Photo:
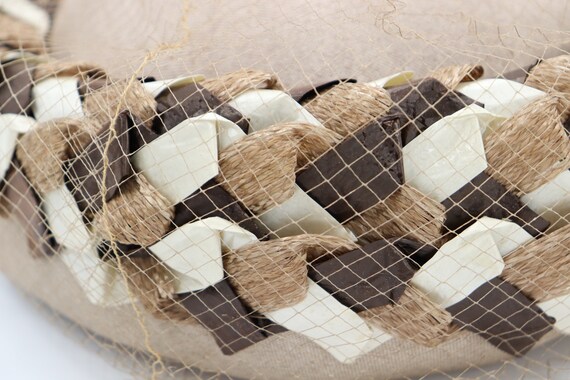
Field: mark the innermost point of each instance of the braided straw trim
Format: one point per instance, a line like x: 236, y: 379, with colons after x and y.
x: 138, y: 215
x: 148, y: 280
x: 20, y: 35
x: 540, y: 268
x: 347, y: 107
x: 230, y: 85
x: 272, y: 275
x: 529, y: 149
x: 553, y: 75
x: 451, y: 76
x: 82, y: 70
x: 102, y: 104
x: 415, y: 317
x: 43, y: 150
x: 406, y: 213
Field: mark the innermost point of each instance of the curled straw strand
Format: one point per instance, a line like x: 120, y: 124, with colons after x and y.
x: 347, y: 107
x: 553, y: 76
x: 540, y: 268
x: 529, y: 149
x: 138, y: 215
x: 414, y: 317
x: 43, y: 150
x: 406, y: 213
x: 451, y: 76
x: 230, y: 85
x: 101, y: 104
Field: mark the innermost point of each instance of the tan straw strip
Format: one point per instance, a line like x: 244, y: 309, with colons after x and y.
x: 310, y: 141
x: 553, y: 75
x: 138, y: 215
x: 230, y: 85
x: 268, y: 276
x: 43, y: 150
x: 272, y: 275
x: 102, y: 103
x: 149, y: 280
x: 406, y: 213
x: 172, y: 310
x: 347, y: 107
x: 82, y: 70
x: 541, y: 268
x: 415, y: 317
x: 451, y: 76
x: 259, y: 170
x: 20, y: 35
x: 529, y: 149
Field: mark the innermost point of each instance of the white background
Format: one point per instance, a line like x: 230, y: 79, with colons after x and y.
x: 33, y: 347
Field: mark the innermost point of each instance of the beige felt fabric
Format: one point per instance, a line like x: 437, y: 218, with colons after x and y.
x: 283, y: 356
x: 305, y: 40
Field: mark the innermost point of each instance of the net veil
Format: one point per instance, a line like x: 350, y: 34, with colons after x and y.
x: 310, y: 189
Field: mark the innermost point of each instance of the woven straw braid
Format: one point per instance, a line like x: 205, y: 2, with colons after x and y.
x: 347, y: 107
x: 259, y: 170
x: 233, y: 84
x: 529, y: 149
x: 540, y: 268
